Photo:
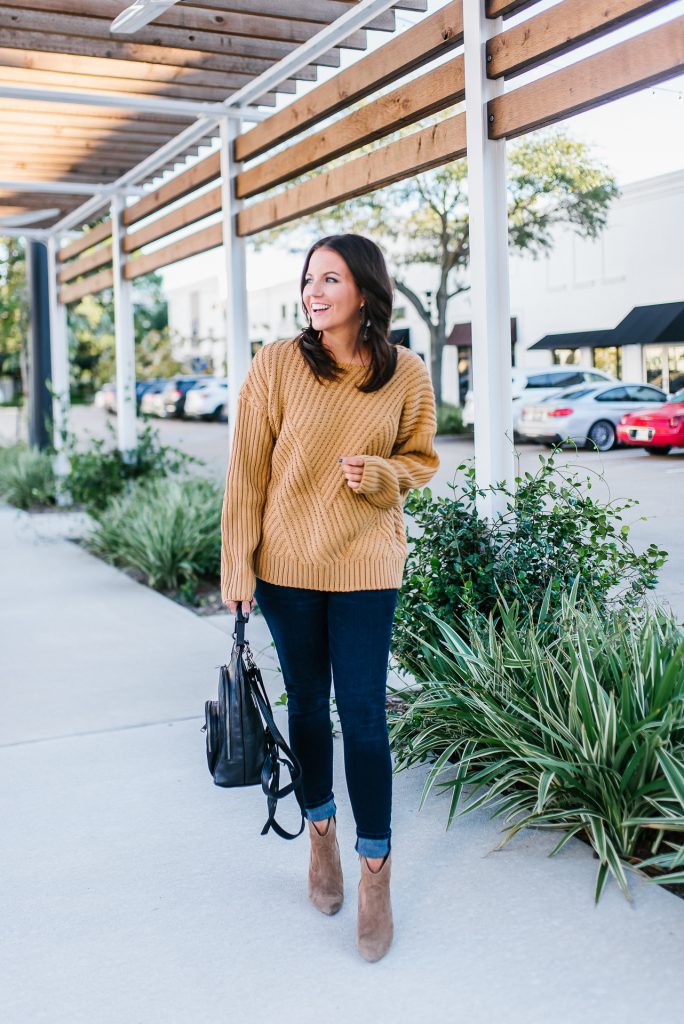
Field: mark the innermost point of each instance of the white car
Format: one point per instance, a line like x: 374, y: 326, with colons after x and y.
x: 587, y: 415
x: 208, y: 400
x: 538, y: 385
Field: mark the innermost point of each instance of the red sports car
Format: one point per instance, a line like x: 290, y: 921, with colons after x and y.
x: 656, y: 430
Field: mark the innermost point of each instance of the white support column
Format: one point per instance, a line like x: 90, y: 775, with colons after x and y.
x: 238, y: 353
x: 494, y: 458
x: 126, y: 427
x: 59, y: 361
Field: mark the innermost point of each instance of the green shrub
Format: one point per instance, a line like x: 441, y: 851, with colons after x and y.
x: 27, y: 478
x: 553, y: 532
x: 169, y: 530
x: 573, y: 721
x: 449, y: 419
x: 100, y: 473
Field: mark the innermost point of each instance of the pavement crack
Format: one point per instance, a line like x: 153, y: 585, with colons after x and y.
x: 98, y: 732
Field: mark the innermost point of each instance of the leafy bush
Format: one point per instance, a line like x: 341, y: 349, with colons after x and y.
x: 449, y: 419
x: 553, y: 532
x: 100, y: 472
x: 168, y: 530
x: 572, y: 720
x: 26, y: 476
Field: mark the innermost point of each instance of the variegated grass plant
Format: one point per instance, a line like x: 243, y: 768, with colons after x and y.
x: 573, y: 721
x: 166, y: 529
x: 27, y: 477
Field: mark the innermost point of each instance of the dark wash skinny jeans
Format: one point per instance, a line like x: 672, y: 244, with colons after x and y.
x: 321, y: 634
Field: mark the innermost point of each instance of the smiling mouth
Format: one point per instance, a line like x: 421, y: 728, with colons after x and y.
x: 320, y: 309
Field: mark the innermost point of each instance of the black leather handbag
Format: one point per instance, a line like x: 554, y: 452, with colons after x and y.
x: 243, y: 742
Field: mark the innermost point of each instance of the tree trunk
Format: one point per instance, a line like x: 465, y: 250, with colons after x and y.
x: 437, y: 342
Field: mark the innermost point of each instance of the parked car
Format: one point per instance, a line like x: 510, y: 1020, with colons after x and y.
x: 141, y: 389
x: 150, y: 402
x: 208, y: 400
x: 106, y: 397
x: 586, y: 415
x: 537, y: 385
x: 173, y: 395
x: 657, y: 430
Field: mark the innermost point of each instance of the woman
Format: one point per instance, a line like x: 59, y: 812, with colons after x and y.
x: 333, y: 429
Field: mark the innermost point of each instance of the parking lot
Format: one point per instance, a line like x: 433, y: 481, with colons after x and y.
x: 656, y: 482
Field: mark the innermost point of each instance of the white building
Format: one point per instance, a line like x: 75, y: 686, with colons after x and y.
x: 581, y: 286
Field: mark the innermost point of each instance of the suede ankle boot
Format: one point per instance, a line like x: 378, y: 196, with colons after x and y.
x: 374, y: 928
x: 326, y: 888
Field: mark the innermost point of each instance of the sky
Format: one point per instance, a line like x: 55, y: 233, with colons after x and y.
x: 639, y: 136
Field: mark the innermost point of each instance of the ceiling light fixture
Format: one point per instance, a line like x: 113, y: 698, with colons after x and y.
x: 139, y: 14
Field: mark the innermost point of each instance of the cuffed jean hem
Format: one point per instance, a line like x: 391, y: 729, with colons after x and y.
x: 323, y: 811
x: 372, y: 847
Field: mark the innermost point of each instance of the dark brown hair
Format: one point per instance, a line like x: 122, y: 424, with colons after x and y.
x: 368, y: 268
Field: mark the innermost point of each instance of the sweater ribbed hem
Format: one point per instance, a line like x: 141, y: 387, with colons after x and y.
x: 366, y: 574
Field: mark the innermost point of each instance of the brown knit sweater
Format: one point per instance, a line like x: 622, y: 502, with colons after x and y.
x: 289, y: 515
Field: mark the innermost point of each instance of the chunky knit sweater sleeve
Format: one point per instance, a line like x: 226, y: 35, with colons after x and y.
x: 246, y: 483
x: 414, y: 461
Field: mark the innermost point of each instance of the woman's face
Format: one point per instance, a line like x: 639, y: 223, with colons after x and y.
x: 331, y: 295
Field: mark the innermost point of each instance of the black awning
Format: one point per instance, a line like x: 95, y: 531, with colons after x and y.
x: 461, y: 335
x: 648, y: 325
x: 576, y: 339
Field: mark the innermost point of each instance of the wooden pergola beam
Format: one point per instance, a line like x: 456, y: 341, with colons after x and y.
x: 121, y: 86
x: 187, y: 181
x: 80, y: 151
x: 68, y: 113
x: 416, y: 46
x: 436, y: 90
x: 88, y: 30
x: 52, y: 132
x: 87, y: 286
x: 316, y: 11
x: 558, y: 30
x: 99, y: 67
x: 190, y: 213
x: 411, y: 155
x: 504, y: 8
x: 650, y: 57
x: 86, y: 241
x: 51, y: 42
x: 191, y: 245
x: 98, y: 258
x: 197, y: 20
x: 95, y: 163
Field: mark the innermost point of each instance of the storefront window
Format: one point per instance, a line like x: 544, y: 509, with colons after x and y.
x: 676, y: 367
x: 609, y: 360
x: 566, y: 356
x: 653, y: 365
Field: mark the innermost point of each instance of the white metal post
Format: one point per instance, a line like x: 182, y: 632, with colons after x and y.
x: 59, y: 361
x: 238, y: 354
x: 126, y: 426
x: 490, y: 302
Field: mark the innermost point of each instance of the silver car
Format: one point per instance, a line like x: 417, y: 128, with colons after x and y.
x: 586, y: 415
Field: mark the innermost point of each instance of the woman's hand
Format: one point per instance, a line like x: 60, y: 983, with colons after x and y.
x: 352, y: 467
x: 247, y: 606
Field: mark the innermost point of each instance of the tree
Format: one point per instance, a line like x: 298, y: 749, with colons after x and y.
x: 552, y: 180
x: 13, y: 310
x: 90, y: 325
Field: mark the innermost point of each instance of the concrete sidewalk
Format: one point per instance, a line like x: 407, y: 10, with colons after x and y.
x: 134, y: 891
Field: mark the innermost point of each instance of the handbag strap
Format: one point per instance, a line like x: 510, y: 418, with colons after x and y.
x: 270, y: 773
